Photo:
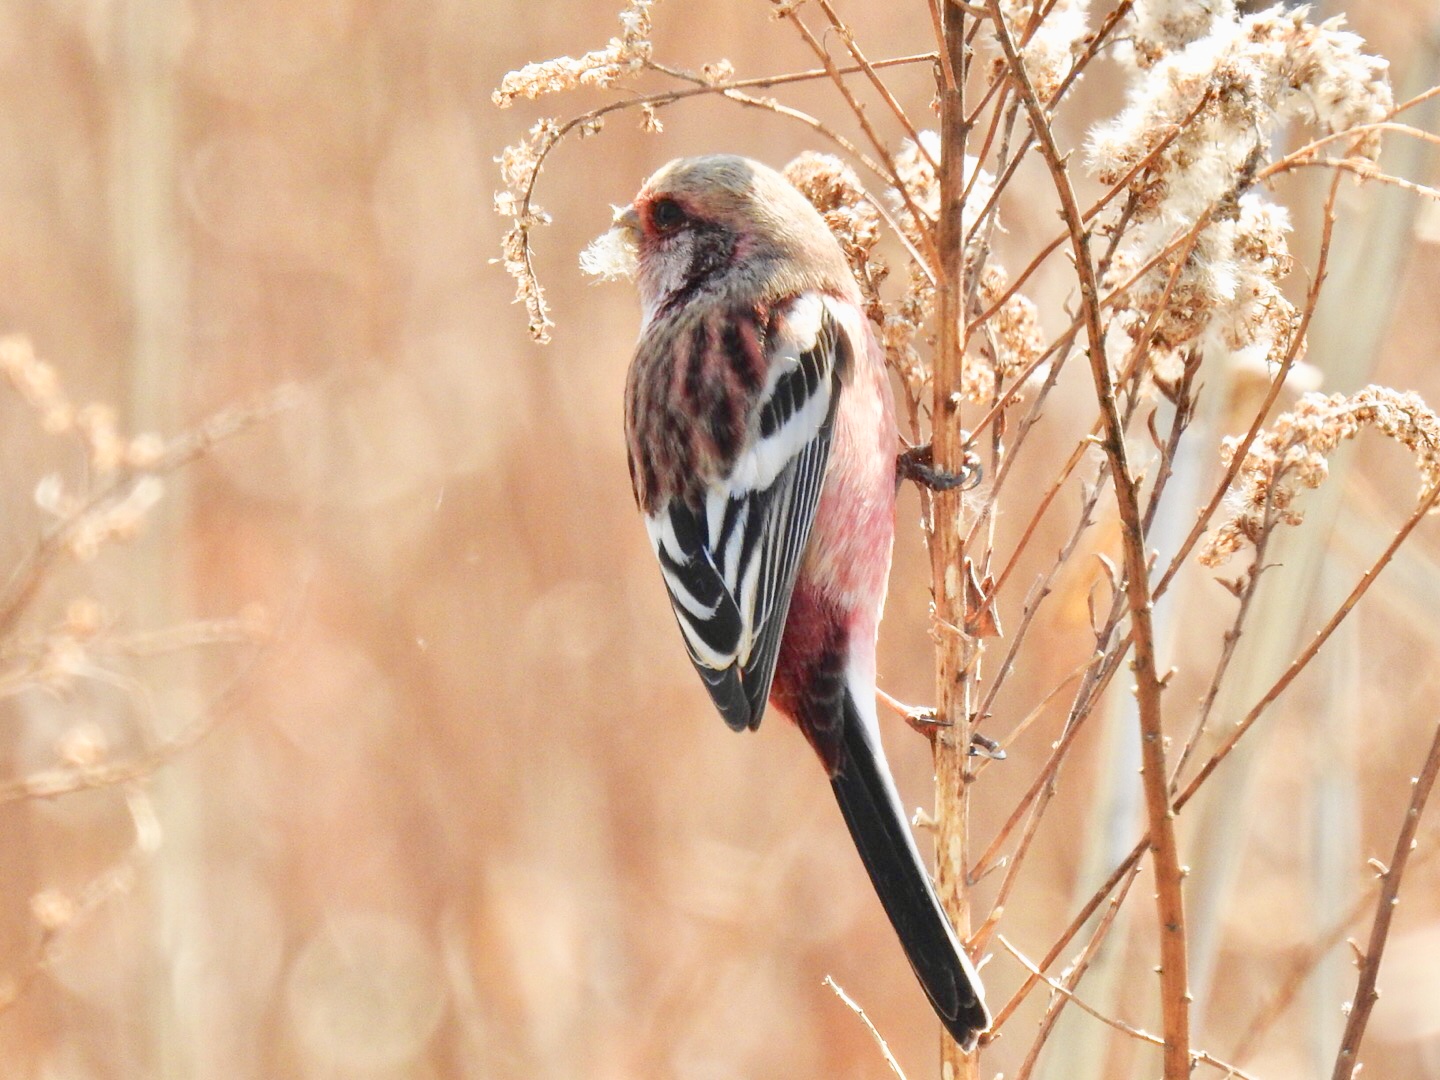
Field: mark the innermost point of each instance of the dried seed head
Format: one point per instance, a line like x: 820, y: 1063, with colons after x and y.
x: 1294, y: 453
x: 623, y: 56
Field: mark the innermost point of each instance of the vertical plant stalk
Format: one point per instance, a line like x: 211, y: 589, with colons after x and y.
x: 1347, y: 1060
x: 1169, y: 902
x: 956, y: 651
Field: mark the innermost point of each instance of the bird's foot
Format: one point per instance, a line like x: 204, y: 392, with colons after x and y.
x: 981, y: 746
x: 918, y: 464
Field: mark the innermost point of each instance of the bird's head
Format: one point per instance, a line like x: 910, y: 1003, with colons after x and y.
x: 723, y: 224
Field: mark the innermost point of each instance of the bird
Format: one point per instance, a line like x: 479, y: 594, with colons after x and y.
x: 761, y: 438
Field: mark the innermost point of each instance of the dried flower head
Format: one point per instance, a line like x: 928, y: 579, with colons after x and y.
x: 1161, y: 26
x: 99, y: 427
x: 623, y: 56
x: 721, y: 71
x: 144, y: 451
x: 52, y: 909
x: 83, y: 746
x: 915, y: 166
x: 84, y: 618
x: 120, y: 519
x: 1219, y: 99
x: 519, y: 166
x: 1013, y: 338
x: 1047, y: 42
x: 901, y: 326
x: 1201, y: 119
x: 1294, y: 454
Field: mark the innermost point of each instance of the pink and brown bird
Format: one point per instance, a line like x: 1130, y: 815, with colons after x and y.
x: 762, y: 446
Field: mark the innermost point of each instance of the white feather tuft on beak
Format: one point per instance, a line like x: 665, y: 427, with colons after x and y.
x: 615, y: 252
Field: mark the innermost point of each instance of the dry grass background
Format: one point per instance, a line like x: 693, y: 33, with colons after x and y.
x: 468, y: 812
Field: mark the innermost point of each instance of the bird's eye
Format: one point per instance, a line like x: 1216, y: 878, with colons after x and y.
x: 667, y: 215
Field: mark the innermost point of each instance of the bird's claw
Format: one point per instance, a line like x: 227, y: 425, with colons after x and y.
x: 918, y: 464
x: 981, y: 746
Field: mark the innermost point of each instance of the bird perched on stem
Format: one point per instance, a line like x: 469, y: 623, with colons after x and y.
x: 761, y: 437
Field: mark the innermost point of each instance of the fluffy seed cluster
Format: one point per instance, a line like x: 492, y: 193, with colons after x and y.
x: 610, y: 256
x: 624, y: 55
x: 1047, y: 44
x: 915, y: 166
x: 1210, y: 90
x: 1159, y: 27
x: 1010, y: 339
x: 1294, y: 454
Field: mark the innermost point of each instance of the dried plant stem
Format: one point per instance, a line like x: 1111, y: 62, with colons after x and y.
x: 848, y: 37
x: 1073, y: 975
x: 30, y: 572
x: 1300, y: 970
x: 1308, y: 654
x: 1121, y: 186
x: 956, y: 653
x: 1175, y: 997
x: 1229, y: 640
x: 669, y: 97
x: 1347, y: 1060
x: 1131, y: 861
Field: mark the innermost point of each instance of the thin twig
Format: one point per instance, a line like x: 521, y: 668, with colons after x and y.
x: 1073, y: 976
x: 1347, y: 1061
x: 1131, y: 860
x: 27, y: 577
x: 1299, y: 971
x: 1119, y: 1025
x: 1175, y: 997
x: 891, y: 173
x: 874, y: 1034
x: 848, y: 36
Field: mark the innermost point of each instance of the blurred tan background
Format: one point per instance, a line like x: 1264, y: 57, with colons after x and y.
x: 468, y: 813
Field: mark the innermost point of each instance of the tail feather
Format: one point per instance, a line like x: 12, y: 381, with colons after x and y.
x: 872, y: 810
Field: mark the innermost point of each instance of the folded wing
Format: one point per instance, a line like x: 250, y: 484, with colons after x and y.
x: 729, y: 560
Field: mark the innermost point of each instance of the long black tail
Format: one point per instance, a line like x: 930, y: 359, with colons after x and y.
x: 878, y: 824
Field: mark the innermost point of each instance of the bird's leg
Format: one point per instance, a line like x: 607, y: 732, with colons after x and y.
x: 920, y: 717
x: 918, y: 464
x: 923, y: 719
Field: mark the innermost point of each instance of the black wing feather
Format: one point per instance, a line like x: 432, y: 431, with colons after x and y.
x: 773, y: 525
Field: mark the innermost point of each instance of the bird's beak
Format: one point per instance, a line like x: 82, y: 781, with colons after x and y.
x: 627, y: 218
